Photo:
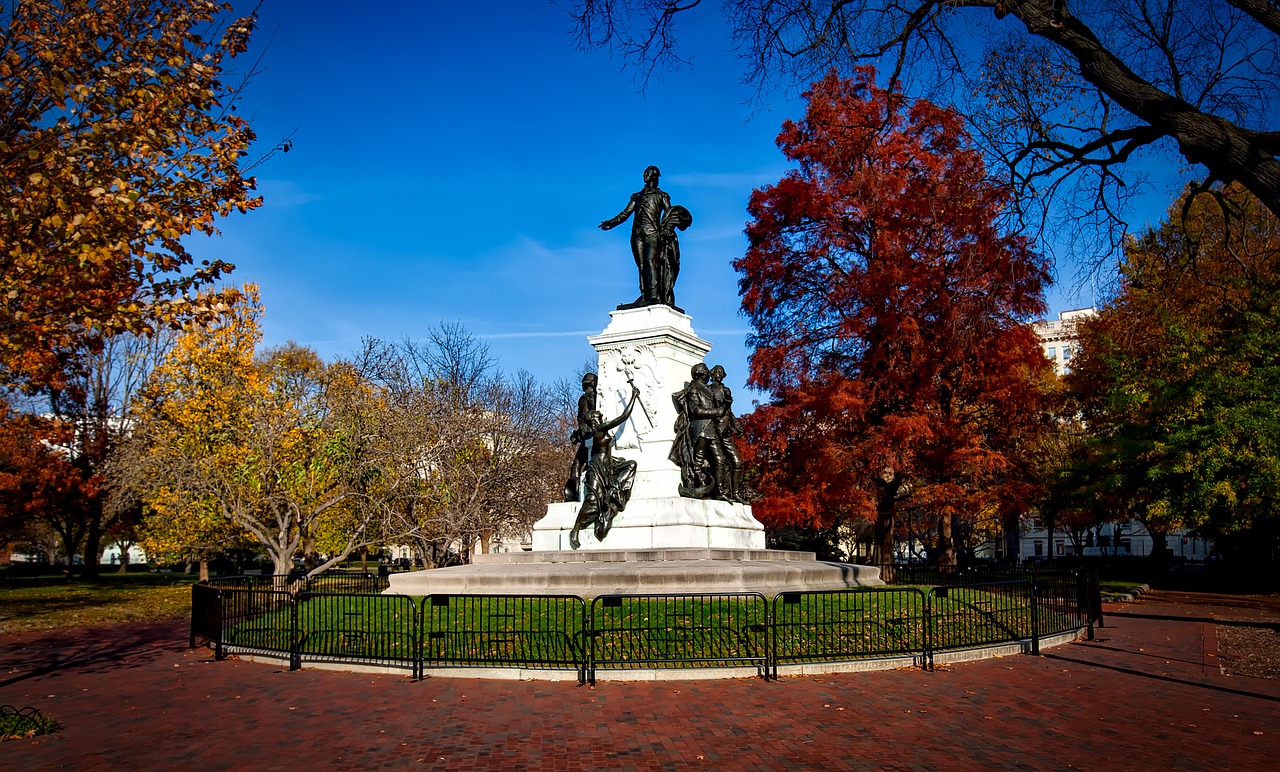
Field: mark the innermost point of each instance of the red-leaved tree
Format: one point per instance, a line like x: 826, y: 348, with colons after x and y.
x: 889, y: 314
x: 40, y: 486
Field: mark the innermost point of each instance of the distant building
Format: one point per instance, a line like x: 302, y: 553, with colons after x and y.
x: 1126, y: 539
x: 1060, y: 341
x: 1058, y: 337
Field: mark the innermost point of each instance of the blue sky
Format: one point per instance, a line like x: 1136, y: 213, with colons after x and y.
x: 451, y: 162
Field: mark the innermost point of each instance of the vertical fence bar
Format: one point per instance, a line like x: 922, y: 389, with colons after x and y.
x: 295, y: 638
x: 930, y: 643
x: 1035, y: 617
x: 1095, y: 597
x: 419, y: 652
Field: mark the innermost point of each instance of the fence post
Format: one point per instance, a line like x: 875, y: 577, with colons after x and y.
x: 928, y: 629
x: 218, y: 652
x: 589, y: 652
x: 295, y: 634
x: 1095, y: 596
x: 1084, y: 598
x: 1035, y: 615
x: 771, y: 638
x: 418, y: 615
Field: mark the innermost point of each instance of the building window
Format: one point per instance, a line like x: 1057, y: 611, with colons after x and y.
x: 1053, y: 353
x: 1066, y: 353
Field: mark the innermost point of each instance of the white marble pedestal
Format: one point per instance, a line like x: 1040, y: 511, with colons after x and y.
x: 669, y: 522
x: 653, y: 347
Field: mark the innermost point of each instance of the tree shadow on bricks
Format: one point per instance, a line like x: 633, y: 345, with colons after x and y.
x: 26, y: 656
x: 1168, y: 679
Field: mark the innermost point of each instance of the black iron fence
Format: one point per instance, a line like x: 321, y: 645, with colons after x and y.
x: 309, y: 621
x: 838, y: 625
x: 633, y: 631
x: 526, y: 631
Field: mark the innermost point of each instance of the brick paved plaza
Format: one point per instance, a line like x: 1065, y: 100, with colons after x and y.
x: 1147, y: 694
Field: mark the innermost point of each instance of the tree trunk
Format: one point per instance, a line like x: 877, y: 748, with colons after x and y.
x: 93, y: 540
x: 882, y: 532
x: 1012, y: 537
x: 1159, y: 546
x: 946, y: 540
x: 486, y: 541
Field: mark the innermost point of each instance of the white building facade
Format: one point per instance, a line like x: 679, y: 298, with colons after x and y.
x: 1058, y: 337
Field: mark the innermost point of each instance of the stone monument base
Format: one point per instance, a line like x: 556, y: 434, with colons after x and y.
x: 656, y: 523
x: 589, y: 573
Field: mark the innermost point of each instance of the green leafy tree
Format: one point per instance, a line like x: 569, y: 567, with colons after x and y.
x: 1178, y: 373
x: 267, y: 439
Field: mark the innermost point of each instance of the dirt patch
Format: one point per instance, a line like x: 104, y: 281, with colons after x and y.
x: 1249, y: 651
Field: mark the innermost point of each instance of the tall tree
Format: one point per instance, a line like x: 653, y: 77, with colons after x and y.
x: 1177, y: 374
x: 268, y: 440
x: 888, y: 313
x: 41, y: 489
x: 477, y: 454
x: 118, y: 139
x: 1067, y: 93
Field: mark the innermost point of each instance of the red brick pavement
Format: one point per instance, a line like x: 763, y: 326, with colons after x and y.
x: 1146, y: 695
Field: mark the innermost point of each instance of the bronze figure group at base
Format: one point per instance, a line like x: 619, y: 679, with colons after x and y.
x: 705, y: 448
x: 605, y: 479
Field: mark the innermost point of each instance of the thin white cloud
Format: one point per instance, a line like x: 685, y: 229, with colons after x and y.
x: 739, y: 182
x: 544, y: 334
x: 741, y: 332
x: 284, y: 193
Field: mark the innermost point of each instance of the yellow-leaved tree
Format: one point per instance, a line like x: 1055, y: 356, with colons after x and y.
x: 276, y: 443
x: 118, y: 141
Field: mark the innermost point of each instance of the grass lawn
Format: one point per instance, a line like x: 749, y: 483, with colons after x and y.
x: 116, y: 598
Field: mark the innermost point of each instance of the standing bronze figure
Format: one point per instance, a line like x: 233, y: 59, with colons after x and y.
x: 669, y: 255
x: 696, y: 448
x: 608, y: 478
x: 579, y: 437
x: 727, y: 431
x: 654, y: 245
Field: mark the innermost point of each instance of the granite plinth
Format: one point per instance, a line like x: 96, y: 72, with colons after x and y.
x: 589, y: 574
